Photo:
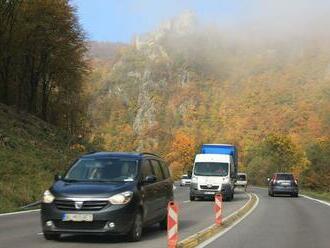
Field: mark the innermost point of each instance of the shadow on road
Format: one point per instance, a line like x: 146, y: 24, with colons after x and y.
x: 149, y: 233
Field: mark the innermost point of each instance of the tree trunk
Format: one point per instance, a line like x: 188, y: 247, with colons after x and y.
x: 46, y: 91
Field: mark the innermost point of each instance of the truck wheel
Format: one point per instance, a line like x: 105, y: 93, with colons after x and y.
x: 52, y: 236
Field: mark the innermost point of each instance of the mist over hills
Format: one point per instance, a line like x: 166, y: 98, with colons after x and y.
x: 188, y: 83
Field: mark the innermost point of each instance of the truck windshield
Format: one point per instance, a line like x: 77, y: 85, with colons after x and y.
x: 211, y: 169
x: 103, y: 170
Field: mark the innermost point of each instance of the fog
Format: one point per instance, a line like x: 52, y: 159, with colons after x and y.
x: 279, y: 20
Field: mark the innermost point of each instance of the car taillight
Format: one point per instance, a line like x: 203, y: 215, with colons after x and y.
x: 274, y: 180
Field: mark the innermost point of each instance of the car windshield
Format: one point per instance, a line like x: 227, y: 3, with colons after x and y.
x: 241, y: 177
x: 284, y: 177
x: 211, y: 169
x: 107, y: 169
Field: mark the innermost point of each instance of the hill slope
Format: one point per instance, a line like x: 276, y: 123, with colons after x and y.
x: 31, y: 152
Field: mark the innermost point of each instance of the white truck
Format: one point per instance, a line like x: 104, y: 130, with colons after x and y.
x: 214, y: 171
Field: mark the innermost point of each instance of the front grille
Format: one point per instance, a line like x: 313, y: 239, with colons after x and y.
x: 212, y: 187
x: 87, y: 205
x: 94, y: 225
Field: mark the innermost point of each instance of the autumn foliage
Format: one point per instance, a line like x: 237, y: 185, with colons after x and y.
x: 181, y: 153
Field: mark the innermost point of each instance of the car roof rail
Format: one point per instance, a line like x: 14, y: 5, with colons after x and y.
x: 151, y: 154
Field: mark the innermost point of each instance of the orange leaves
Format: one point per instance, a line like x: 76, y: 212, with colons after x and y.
x: 182, y: 152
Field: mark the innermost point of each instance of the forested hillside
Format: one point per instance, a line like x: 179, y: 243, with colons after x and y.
x: 43, y: 61
x: 43, y: 95
x: 186, y: 84
x: 169, y: 91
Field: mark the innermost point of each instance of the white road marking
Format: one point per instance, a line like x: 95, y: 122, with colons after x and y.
x: 317, y: 200
x: 205, y: 243
x: 20, y: 212
x: 41, y: 233
x: 186, y: 201
x: 305, y: 196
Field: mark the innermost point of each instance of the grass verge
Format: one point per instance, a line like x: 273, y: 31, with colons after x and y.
x: 325, y: 196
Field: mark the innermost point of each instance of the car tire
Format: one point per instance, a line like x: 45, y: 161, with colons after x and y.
x: 52, y: 236
x: 192, y: 198
x: 295, y: 194
x: 135, y: 233
x: 163, y: 223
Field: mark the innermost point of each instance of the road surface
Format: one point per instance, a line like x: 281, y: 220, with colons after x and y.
x: 280, y: 222
x: 23, y: 230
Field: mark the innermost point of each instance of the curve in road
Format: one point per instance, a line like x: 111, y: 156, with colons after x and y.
x: 280, y: 222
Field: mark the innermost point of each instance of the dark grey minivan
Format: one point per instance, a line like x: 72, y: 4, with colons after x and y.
x: 108, y: 193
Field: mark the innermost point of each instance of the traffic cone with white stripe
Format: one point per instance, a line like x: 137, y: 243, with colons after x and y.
x: 172, y: 224
x: 218, y: 209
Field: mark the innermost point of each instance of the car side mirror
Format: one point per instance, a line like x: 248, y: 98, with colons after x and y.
x: 58, y: 177
x: 150, y: 179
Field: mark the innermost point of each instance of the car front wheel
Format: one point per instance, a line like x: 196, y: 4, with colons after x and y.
x: 136, y: 231
x: 163, y: 223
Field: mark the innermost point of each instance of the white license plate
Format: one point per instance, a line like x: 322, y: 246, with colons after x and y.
x: 77, y: 217
x: 209, y: 193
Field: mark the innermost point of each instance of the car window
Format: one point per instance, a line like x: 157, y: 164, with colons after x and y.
x: 241, y: 177
x: 165, y: 169
x: 103, y: 169
x: 158, y: 171
x: 146, y: 169
x: 284, y: 177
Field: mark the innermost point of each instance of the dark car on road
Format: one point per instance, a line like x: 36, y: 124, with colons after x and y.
x: 108, y: 193
x: 283, y: 183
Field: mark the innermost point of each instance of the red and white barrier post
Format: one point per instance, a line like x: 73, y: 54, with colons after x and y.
x: 172, y: 224
x: 218, y: 209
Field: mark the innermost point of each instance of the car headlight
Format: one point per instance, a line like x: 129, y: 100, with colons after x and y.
x: 121, y: 198
x: 194, y: 179
x: 48, y: 197
x: 225, y: 180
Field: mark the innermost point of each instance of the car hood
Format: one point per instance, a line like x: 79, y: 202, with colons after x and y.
x: 90, y: 189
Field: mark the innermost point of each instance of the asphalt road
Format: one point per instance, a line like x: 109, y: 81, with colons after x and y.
x: 23, y: 230
x: 280, y: 222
